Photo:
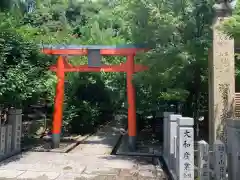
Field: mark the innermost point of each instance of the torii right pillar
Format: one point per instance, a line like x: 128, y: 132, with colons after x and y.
x: 221, y: 80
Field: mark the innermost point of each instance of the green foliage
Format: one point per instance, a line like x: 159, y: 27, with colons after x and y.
x: 181, y: 35
x: 22, y: 67
x: 87, y: 102
x: 231, y: 26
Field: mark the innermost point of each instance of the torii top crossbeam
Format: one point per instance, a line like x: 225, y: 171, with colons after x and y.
x: 94, y: 53
x: 76, y: 50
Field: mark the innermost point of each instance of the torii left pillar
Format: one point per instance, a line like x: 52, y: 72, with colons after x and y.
x: 132, y: 130
x: 58, y: 104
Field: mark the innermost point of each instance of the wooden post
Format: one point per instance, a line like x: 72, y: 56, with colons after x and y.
x: 132, y: 130
x: 58, y: 104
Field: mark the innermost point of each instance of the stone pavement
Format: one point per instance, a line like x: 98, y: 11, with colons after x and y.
x: 60, y: 166
x: 91, y: 160
x: 102, y: 142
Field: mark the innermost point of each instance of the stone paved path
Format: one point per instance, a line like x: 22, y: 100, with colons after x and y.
x: 89, y: 161
x: 102, y: 142
x: 46, y: 165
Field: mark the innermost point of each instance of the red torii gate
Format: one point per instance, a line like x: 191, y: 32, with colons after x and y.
x: 94, y: 53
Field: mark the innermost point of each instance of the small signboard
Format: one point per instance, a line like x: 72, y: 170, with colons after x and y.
x: 94, y: 58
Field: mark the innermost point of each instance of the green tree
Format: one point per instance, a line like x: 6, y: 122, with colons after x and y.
x: 231, y: 27
x: 23, y: 69
x: 180, y: 34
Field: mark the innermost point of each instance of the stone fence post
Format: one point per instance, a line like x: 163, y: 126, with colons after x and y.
x: 165, y: 135
x: 2, y: 140
x: 172, y: 133
x: 185, y: 149
x: 219, y: 160
x: 15, y: 120
x: 233, y: 148
x: 203, y: 160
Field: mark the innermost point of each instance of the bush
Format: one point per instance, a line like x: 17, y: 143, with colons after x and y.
x: 22, y: 68
x: 87, y: 103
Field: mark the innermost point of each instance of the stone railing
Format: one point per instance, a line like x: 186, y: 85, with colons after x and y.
x: 187, y: 160
x: 10, y: 134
